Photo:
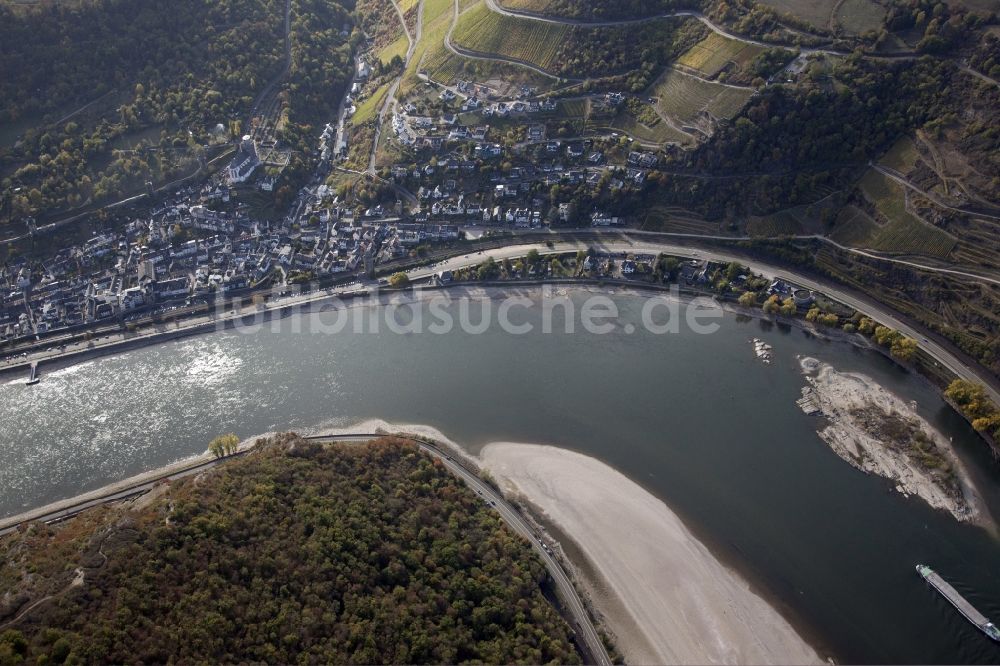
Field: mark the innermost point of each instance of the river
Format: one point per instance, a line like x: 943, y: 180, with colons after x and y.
x: 695, y: 418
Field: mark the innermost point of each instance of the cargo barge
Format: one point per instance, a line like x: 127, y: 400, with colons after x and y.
x: 959, y: 602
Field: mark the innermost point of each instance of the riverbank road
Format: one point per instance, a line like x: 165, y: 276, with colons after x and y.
x: 637, y: 243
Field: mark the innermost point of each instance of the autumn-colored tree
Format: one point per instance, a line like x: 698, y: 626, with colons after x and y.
x: 301, y: 553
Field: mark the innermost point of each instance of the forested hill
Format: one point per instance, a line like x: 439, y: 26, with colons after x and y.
x: 54, y: 54
x: 298, y: 553
x: 99, y: 97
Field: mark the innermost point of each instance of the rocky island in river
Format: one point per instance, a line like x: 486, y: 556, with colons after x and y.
x: 879, y: 433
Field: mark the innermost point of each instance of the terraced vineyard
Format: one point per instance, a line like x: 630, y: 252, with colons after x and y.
x: 782, y: 223
x: 539, y: 6
x: 657, y: 133
x: 902, y: 156
x: 711, y: 55
x: 368, y: 108
x: 436, y: 16
x: 484, y: 31
x: 854, y: 228
x: 574, y: 108
x: 677, y: 220
x: 684, y: 97
x: 447, y: 67
x: 903, y: 233
x: 814, y: 12
x: 396, y: 48
x: 441, y: 64
x: 911, y: 236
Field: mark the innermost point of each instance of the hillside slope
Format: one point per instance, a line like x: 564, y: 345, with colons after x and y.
x: 101, y: 97
x: 299, y: 552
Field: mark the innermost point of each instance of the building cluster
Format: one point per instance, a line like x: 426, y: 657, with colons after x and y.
x: 203, y: 243
x: 457, y: 189
x: 186, y: 252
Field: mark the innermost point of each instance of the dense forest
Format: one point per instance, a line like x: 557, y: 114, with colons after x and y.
x: 298, y: 553
x: 321, y: 59
x: 159, y: 78
x: 986, y: 57
x: 848, y: 120
x: 101, y: 97
x: 64, y: 53
x: 790, y: 140
x: 638, y: 53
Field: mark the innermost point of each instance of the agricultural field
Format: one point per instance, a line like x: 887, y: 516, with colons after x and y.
x: 903, y: 232
x: 368, y: 108
x: 443, y: 66
x: 437, y: 15
x: 658, y: 132
x: 853, y: 228
x: 534, y: 42
x: 852, y: 16
x: 677, y: 220
x: 684, y: 97
x: 396, y: 48
x: 912, y: 236
x: 782, y: 223
x: 814, y: 12
x: 712, y: 54
x: 539, y: 6
x: 856, y: 17
x: 886, y: 195
x: 797, y: 220
x: 574, y: 108
x: 902, y: 157
x: 977, y: 246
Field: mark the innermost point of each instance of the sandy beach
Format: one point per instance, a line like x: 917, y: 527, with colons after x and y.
x: 660, y: 591
x: 667, y: 599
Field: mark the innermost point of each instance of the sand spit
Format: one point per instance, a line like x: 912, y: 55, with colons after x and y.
x: 378, y: 426
x: 878, y: 433
x: 679, y: 604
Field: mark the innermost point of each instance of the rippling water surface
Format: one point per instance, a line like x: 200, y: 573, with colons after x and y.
x: 696, y: 419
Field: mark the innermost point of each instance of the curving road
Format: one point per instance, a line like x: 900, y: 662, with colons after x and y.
x: 496, y: 7
x: 473, y: 54
x: 938, y: 351
x: 905, y: 182
x: 390, y: 98
x: 824, y: 239
x: 690, y: 13
x: 646, y: 242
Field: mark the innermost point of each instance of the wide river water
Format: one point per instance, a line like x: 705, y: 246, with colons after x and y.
x: 695, y: 418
